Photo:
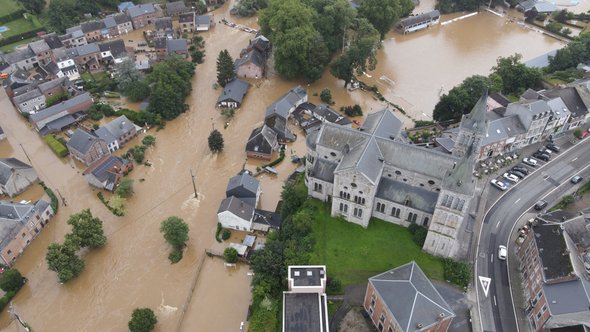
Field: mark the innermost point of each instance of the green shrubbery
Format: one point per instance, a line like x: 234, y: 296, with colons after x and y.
x: 458, y: 273
x: 58, y: 148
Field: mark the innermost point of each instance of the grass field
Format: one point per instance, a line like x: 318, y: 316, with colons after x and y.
x: 10, y: 47
x: 8, y: 6
x: 353, y: 254
x: 21, y: 25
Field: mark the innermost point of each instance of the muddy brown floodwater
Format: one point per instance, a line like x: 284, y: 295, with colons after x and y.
x: 133, y: 270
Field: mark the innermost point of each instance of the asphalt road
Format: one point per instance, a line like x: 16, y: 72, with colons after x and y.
x: 496, y: 310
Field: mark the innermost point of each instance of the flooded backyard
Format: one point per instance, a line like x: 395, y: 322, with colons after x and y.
x: 133, y: 270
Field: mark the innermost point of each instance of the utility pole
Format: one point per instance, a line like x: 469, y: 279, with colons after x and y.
x: 26, y: 154
x: 194, y: 186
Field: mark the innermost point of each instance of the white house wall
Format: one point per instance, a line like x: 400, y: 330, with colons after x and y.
x: 230, y: 220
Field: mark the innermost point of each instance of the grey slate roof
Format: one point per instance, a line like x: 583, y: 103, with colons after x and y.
x: 234, y: 91
x: 109, y: 22
x: 527, y: 111
x: 286, y: 102
x: 324, y: 170
x: 269, y: 218
x: 105, y: 135
x: 400, y: 192
x: 503, y: 128
x: 16, y: 56
x: 558, y: 107
x: 262, y: 140
x: 327, y: 113
x: 92, y: 26
x: 163, y: 23
x: 242, y: 186
x: 476, y: 120
x: 417, y: 19
x: 176, y: 7
x: 552, y: 247
x: 253, y: 56
x: 125, y: 5
x: 237, y: 207
x: 105, y: 169
x: 186, y: 17
x: 160, y: 42
x: 203, y: 20
x: 7, y: 166
x: 53, y: 40
x: 51, y: 67
x: 121, y: 18
x: 382, y: 124
x: 578, y: 230
x: 141, y: 9
x: 569, y: 297
x: 27, y: 96
x: 46, y: 86
x: 57, y: 108
x: 81, y: 141
x: 119, y: 126
x: 411, y: 297
x: 39, y: 46
x: 13, y: 216
x: 571, y: 98
x: 87, y: 49
x: 117, y: 48
x: 176, y: 45
x: 365, y: 158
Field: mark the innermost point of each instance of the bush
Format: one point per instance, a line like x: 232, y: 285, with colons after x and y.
x: 175, y: 256
x: 137, y: 153
x: 142, y: 320
x: 458, y: 273
x: 226, y: 234
x: 218, y: 231
x: 421, y: 123
x: 326, y: 96
x: 11, y: 280
x: 54, y: 201
x: 333, y: 286
x: 59, y: 149
x: 230, y: 255
x: 578, y: 133
x: 352, y: 111
x: 149, y: 140
x: 6, y: 299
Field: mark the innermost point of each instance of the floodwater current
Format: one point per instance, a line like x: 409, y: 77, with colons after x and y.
x: 133, y: 270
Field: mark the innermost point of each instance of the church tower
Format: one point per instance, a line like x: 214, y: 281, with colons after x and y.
x: 473, y: 128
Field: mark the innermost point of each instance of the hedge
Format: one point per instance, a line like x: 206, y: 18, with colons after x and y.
x: 12, y: 16
x: 21, y: 36
x: 55, y: 145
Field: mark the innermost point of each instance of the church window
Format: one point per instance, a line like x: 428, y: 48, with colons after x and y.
x: 430, y: 182
x: 395, y: 212
x: 461, y: 204
x: 317, y: 187
x: 380, y: 207
x: 425, y: 222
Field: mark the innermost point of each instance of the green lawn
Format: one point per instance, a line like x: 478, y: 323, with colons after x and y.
x: 353, y: 254
x: 10, y: 47
x: 21, y: 25
x: 9, y: 6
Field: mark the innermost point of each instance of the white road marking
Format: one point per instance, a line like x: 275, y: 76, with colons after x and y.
x: 485, y: 284
x: 495, y: 303
x: 574, y: 159
x: 492, y: 258
x: 516, y: 201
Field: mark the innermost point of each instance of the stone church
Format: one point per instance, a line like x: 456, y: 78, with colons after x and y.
x: 373, y: 171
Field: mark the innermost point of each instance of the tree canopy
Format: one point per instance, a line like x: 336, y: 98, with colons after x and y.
x: 461, y: 99
x: 451, y: 6
x: 11, y: 280
x: 381, y: 13
x: 142, y: 320
x: 577, y: 51
x: 62, y: 259
x: 230, y: 255
x: 175, y: 231
x: 225, y: 68
x: 171, y: 81
x: 87, y: 229
x: 516, y: 77
x: 125, y: 187
x: 34, y: 6
x: 215, y: 141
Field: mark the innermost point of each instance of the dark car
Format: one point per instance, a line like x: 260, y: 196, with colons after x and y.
x: 518, y: 174
x: 521, y: 169
x: 540, y: 205
x: 553, y: 147
x: 576, y: 179
x: 541, y: 156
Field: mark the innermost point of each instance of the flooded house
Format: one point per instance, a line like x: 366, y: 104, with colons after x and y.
x: 59, y: 116
x: 20, y: 223
x: 106, y: 172
x: 15, y: 176
x: 418, y: 22
x: 278, y: 113
x: 86, y: 147
x: 262, y: 143
x: 253, y: 58
x: 233, y: 94
x: 117, y: 132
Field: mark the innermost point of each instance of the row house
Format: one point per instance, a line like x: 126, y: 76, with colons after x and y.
x: 32, y: 99
x: 106, y: 172
x: 191, y: 22
x: 175, y: 8
x: 113, y: 52
x: 53, y: 41
x: 93, y: 30
x: 87, y: 56
x: 163, y: 27
x: 165, y: 47
x: 15, y: 176
x: 87, y: 148
x: 42, y: 51
x: 118, y: 24
x: 19, y: 225
x: 24, y: 59
x: 66, y: 65
x: 143, y: 14
x: 59, y: 116
x: 74, y: 38
x: 117, y: 133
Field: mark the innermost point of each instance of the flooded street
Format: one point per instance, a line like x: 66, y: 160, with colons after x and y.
x: 133, y: 270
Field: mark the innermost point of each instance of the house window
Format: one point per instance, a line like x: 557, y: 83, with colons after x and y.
x: 9, y: 252
x: 425, y: 221
x: 317, y: 187
x: 460, y: 205
x: 412, y: 217
x: 382, y: 318
x: 390, y: 329
x: 359, y: 200
x: 372, y: 300
x: 343, y: 207
x: 358, y: 212
x: 380, y: 207
x: 395, y: 212
x: 380, y: 326
x: 23, y: 234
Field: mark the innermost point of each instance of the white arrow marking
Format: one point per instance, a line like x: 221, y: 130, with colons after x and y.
x: 485, y: 284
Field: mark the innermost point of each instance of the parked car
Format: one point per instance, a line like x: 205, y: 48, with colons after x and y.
x: 521, y: 169
x: 510, y: 177
x: 541, y: 156
x: 584, y: 134
x: 545, y: 151
x: 553, y: 147
x: 530, y: 161
x: 517, y: 174
x: 499, y: 184
x: 502, y: 253
x: 540, y: 205
x: 576, y: 179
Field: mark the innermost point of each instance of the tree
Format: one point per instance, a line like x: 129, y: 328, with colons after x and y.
x: 247, y: 8
x: 11, y: 280
x: 215, y: 141
x: 171, y: 81
x: 230, y: 255
x: 149, y: 140
x: 142, y: 320
x: 62, y: 14
x: 125, y: 188
x: 34, y: 6
x: 333, y: 18
x: 461, y: 99
x: 352, y: 111
x: 225, y: 68
x: 175, y: 231
x: 137, y: 91
x: 360, y: 55
x: 561, y: 16
x: 88, y: 229
x: 62, y: 259
x: 127, y: 73
x: 381, y: 13
x: 326, y: 96
x: 293, y: 196
x: 197, y: 57
x: 516, y: 77
x: 228, y: 112
x: 117, y: 204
